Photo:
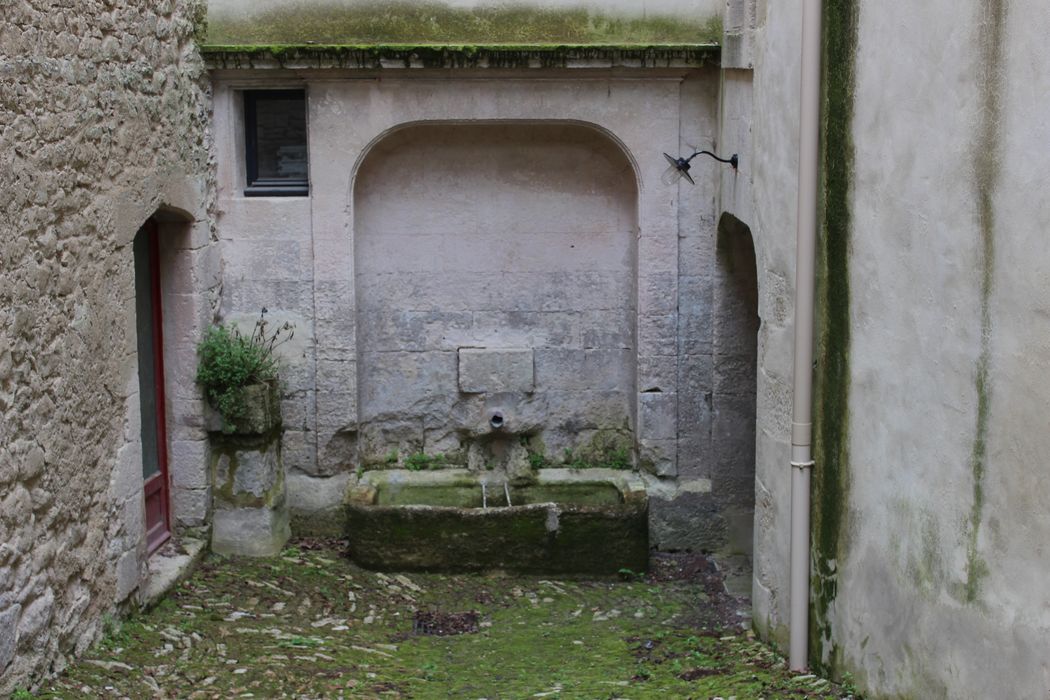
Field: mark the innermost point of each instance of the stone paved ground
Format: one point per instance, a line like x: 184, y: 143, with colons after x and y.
x: 310, y: 624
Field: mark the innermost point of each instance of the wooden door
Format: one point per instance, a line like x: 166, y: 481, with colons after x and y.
x: 149, y: 321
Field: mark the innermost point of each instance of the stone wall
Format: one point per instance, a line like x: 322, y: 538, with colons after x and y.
x: 103, y: 121
x: 476, y: 240
x: 421, y: 237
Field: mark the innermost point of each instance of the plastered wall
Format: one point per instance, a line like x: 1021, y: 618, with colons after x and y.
x: 927, y: 541
x: 103, y: 121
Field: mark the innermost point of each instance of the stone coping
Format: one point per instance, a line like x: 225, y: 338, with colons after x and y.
x: 366, y: 491
x: 409, y: 56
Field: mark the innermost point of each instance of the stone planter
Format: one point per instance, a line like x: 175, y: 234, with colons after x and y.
x: 250, y: 506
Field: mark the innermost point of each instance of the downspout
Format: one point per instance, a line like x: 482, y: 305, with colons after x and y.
x: 805, y: 283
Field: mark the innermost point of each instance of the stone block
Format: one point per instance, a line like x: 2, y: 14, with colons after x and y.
x: 248, y: 473
x: 189, y: 464
x: 658, y: 293
x: 658, y: 416
x: 659, y: 457
x: 336, y: 410
x: 299, y: 451
x: 190, y: 506
x: 127, y: 575
x: 735, y: 374
x: 657, y: 335
x: 8, y: 635
x: 688, y: 521
x: 733, y: 434
x: 490, y: 371
x: 254, y: 532
x: 315, y: 504
x: 36, y: 614
x: 657, y: 374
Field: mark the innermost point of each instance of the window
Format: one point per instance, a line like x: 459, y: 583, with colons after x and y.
x: 275, y: 143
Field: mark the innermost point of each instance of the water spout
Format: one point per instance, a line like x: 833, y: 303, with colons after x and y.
x: 506, y: 490
x: 484, y: 496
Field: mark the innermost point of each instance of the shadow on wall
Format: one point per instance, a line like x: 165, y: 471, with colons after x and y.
x: 735, y: 360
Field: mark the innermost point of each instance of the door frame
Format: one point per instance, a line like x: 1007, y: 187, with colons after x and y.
x: 156, y: 487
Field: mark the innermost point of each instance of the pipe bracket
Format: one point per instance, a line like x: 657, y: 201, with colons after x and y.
x: 803, y: 465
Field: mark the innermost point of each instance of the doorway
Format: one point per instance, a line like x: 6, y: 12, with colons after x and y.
x: 150, y: 336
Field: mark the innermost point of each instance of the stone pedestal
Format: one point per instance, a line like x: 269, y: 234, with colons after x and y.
x: 250, y: 507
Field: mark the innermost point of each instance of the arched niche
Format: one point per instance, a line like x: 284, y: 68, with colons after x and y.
x: 510, y: 237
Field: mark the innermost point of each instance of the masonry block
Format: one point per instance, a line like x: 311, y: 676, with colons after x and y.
x: 490, y: 371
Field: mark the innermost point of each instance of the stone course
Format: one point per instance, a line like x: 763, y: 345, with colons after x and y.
x: 103, y: 119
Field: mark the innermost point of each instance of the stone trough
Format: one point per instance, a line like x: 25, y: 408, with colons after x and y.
x: 562, y: 521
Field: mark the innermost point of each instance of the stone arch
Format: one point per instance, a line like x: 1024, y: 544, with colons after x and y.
x: 735, y: 364
x: 186, y: 278
x: 512, y: 236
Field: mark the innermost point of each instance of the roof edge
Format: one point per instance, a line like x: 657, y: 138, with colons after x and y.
x: 377, y: 56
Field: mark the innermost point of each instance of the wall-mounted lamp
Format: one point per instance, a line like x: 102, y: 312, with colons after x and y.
x: 679, y: 167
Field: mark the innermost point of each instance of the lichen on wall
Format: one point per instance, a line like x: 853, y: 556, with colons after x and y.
x: 831, y: 392
x: 335, y: 22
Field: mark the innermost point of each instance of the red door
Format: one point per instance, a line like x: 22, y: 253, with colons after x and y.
x: 149, y: 321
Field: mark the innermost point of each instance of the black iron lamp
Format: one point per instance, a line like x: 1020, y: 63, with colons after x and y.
x: 679, y: 167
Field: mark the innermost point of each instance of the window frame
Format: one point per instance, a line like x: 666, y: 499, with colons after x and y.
x: 270, y: 187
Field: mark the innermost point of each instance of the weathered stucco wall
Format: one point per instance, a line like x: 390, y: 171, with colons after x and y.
x: 464, y: 21
x: 940, y: 563
x: 103, y: 116
x: 928, y: 528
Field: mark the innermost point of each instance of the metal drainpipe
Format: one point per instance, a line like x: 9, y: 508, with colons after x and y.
x: 805, y: 283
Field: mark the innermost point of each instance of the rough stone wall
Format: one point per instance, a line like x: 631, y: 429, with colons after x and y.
x: 102, y: 119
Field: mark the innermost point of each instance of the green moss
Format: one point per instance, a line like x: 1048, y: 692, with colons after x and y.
x: 375, y: 56
x: 299, y: 634
x: 436, y: 23
x: 607, y: 449
x: 991, y: 26
x: 831, y: 392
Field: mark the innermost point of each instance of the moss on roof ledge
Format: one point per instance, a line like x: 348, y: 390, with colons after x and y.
x: 428, y: 22
x: 375, y: 56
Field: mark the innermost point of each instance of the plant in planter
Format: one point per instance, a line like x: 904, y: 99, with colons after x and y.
x: 238, y: 372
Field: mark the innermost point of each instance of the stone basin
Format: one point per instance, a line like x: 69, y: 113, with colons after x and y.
x: 592, y: 521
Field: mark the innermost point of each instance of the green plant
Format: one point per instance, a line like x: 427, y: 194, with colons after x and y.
x: 619, y: 458
x: 537, y: 461
x: 629, y: 574
x: 231, y: 361
x: 22, y: 694
x: 849, y: 685
x: 420, y: 461
x: 391, y: 457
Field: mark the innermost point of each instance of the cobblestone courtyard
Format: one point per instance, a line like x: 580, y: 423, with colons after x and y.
x: 310, y: 624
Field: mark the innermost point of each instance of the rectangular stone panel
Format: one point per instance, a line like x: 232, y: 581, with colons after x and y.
x: 489, y: 371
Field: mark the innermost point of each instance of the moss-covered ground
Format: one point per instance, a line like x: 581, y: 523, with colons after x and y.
x: 309, y: 624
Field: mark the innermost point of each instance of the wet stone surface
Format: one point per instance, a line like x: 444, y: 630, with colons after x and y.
x: 310, y: 624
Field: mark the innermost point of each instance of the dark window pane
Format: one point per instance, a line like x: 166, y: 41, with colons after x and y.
x: 280, y: 128
x: 275, y: 140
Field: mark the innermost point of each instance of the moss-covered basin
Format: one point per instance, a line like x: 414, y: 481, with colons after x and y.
x: 564, y: 522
